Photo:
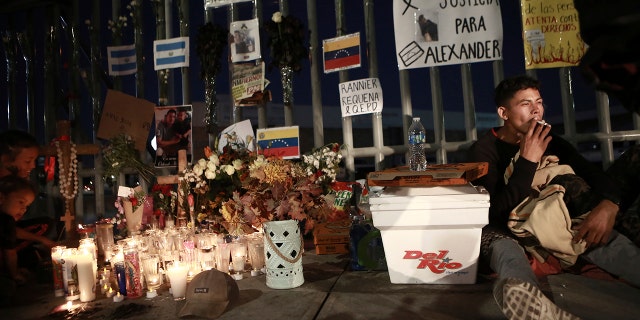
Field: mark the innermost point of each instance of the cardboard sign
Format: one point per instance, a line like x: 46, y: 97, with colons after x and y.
x: 360, y: 97
x: 126, y: 114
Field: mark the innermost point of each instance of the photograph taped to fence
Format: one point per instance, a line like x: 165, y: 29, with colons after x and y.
x: 173, y: 133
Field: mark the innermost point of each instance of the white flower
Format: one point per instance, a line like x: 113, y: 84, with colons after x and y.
x: 198, y: 170
x: 202, y: 163
x: 214, y: 158
x: 277, y: 17
x: 237, y: 164
x: 210, y: 174
x: 229, y: 170
x: 211, y: 166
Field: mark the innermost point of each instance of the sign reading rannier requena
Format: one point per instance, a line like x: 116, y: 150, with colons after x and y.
x: 360, y: 97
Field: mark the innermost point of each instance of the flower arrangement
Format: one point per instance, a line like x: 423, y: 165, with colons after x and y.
x: 210, y: 43
x: 164, y: 199
x: 286, y: 40
x: 240, y: 190
x: 120, y: 154
x: 137, y: 199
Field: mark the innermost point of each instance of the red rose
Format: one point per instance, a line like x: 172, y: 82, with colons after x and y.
x: 134, y: 201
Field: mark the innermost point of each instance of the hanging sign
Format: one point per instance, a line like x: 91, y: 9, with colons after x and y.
x: 360, y: 97
x: 551, y: 34
x: 442, y: 32
x: 246, y: 79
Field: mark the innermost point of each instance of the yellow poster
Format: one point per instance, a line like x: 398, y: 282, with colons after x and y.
x: 551, y: 34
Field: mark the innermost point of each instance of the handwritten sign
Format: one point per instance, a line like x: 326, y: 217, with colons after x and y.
x: 126, y: 114
x: 551, y: 34
x: 360, y: 97
x: 443, y: 32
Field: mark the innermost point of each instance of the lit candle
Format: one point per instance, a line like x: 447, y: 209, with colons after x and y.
x: 86, y: 277
x: 178, y: 279
x: 110, y: 292
x: 118, y: 297
x: 152, y: 294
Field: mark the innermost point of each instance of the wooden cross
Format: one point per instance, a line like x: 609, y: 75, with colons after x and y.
x: 64, y: 130
x: 175, y: 179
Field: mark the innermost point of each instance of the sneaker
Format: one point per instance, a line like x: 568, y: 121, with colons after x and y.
x: 520, y: 300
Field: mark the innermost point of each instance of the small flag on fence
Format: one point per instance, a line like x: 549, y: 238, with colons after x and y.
x: 171, y: 53
x: 122, y: 60
x: 341, y: 53
x: 282, y: 142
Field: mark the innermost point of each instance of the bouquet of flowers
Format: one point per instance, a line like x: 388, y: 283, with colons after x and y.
x: 286, y: 40
x: 164, y: 199
x: 121, y: 154
x: 132, y: 203
x: 240, y: 190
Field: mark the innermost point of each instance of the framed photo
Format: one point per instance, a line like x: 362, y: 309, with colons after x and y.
x: 173, y: 133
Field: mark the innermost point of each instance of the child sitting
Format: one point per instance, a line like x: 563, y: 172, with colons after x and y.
x: 16, y: 194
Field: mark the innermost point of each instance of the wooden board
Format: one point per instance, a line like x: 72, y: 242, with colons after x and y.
x: 435, y: 175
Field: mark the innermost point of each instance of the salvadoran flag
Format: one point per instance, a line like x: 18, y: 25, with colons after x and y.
x: 122, y: 60
x: 281, y: 142
x: 171, y: 53
x: 341, y: 53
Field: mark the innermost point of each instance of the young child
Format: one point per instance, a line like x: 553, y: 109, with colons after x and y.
x: 16, y: 194
x: 18, y: 153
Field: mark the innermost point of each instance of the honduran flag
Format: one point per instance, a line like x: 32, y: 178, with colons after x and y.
x: 281, y: 142
x: 122, y: 60
x: 341, y: 53
x: 171, y: 53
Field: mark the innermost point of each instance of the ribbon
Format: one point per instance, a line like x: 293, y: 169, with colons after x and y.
x: 50, y: 162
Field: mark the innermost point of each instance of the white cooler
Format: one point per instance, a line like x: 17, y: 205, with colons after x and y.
x: 431, y: 234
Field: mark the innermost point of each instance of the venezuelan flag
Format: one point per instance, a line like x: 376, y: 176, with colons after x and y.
x: 341, y: 53
x: 281, y: 142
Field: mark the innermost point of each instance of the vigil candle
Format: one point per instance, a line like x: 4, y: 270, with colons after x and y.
x: 121, y: 278
x: 132, y: 271
x: 110, y: 292
x: 68, y: 264
x: 178, y: 278
x: 86, y: 282
x: 56, y: 261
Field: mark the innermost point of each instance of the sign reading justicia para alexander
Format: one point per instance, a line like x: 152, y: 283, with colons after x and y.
x: 442, y: 32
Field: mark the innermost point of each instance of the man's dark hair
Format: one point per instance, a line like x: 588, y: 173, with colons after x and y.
x: 170, y: 111
x: 13, y: 183
x: 13, y: 141
x: 507, y: 88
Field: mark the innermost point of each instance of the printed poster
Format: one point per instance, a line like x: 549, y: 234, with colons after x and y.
x: 237, y: 135
x: 245, y: 40
x: 173, y: 133
x: 246, y: 79
x: 551, y: 32
x: 431, y: 33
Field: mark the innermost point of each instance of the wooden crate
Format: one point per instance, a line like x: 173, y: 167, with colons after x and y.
x: 332, y: 232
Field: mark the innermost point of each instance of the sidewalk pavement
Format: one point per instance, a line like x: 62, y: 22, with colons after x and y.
x: 332, y: 291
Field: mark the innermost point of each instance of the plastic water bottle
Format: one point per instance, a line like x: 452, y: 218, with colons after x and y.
x: 417, y: 139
